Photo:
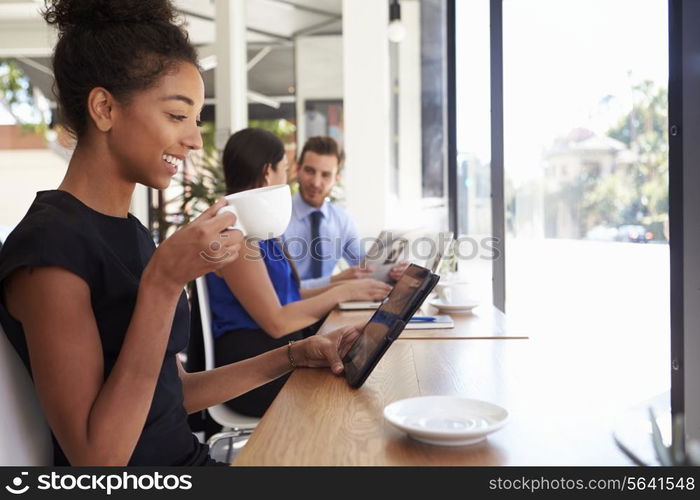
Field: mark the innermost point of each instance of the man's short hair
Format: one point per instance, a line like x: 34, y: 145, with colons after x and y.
x: 323, y: 145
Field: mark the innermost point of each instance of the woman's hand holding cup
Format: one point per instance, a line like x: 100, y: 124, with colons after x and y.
x: 202, y: 246
x: 261, y: 213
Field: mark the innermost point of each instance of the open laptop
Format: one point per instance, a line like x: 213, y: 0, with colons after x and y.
x: 385, y: 248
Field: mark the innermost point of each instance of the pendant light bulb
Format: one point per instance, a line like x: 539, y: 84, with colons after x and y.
x: 396, y: 30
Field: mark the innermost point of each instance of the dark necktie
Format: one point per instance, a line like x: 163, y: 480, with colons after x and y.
x: 315, y: 245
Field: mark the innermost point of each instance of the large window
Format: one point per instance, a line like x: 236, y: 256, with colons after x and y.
x: 585, y: 174
x: 473, y: 121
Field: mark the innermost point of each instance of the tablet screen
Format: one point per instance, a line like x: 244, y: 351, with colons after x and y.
x: 370, y: 341
x: 388, y: 321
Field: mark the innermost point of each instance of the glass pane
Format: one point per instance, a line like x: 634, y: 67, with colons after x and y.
x: 418, y: 197
x: 586, y: 168
x: 433, y: 97
x: 474, y: 146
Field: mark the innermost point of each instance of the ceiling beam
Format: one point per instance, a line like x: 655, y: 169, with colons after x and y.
x: 310, y: 29
x: 271, y: 35
x: 207, y: 57
x: 258, y: 57
x: 263, y: 99
x: 197, y: 15
x: 312, y: 10
x: 252, y: 30
x: 273, y: 45
x: 36, y: 65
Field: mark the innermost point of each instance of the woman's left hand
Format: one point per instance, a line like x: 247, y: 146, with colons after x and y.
x: 327, y: 349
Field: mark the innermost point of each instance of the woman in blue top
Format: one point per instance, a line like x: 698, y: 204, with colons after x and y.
x: 256, y: 302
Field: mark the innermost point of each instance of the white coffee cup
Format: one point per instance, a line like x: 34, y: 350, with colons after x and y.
x: 458, y: 292
x: 262, y: 213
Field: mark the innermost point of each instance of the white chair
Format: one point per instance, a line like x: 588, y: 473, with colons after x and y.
x: 237, y: 425
x: 25, y: 439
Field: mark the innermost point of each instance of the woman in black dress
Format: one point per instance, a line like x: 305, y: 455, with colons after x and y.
x: 94, y: 310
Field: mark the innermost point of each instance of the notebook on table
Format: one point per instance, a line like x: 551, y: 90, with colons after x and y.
x: 437, y: 322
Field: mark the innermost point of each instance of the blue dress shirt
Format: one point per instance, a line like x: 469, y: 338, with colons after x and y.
x: 338, y: 238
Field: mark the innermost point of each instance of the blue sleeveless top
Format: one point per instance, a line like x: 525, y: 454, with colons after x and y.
x: 228, y: 314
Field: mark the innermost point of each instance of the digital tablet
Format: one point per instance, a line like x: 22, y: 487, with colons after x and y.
x: 387, y: 323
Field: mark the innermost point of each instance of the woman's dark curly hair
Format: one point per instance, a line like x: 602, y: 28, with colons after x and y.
x: 121, y: 45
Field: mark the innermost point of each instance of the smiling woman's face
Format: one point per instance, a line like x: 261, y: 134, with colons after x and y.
x: 152, y: 133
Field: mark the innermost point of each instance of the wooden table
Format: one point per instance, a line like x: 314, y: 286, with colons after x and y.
x: 562, y: 408
x: 485, y: 322
x: 318, y: 420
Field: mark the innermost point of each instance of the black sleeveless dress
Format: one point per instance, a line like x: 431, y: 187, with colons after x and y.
x: 109, y: 254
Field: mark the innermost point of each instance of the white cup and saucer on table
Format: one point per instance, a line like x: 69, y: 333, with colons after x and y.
x: 454, y: 297
x: 446, y: 420
x: 261, y: 213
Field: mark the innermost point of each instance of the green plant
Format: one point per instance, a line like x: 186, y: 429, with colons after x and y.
x: 17, y: 95
x: 282, y: 128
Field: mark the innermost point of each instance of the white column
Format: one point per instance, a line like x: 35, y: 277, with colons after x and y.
x: 366, y: 111
x: 140, y: 205
x: 231, y: 78
x: 318, y: 65
x: 408, y: 212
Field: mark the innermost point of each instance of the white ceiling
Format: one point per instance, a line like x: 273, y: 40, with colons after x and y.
x: 267, y: 21
x: 273, y: 23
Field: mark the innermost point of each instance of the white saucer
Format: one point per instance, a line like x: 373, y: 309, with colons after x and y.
x: 457, y: 308
x: 446, y: 420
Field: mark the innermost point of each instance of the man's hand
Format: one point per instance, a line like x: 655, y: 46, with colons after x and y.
x: 364, y: 289
x: 397, y: 271
x: 353, y: 273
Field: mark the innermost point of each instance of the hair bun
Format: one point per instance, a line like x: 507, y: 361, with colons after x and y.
x: 69, y: 14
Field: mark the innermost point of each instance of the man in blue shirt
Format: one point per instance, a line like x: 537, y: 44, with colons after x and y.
x: 321, y: 232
